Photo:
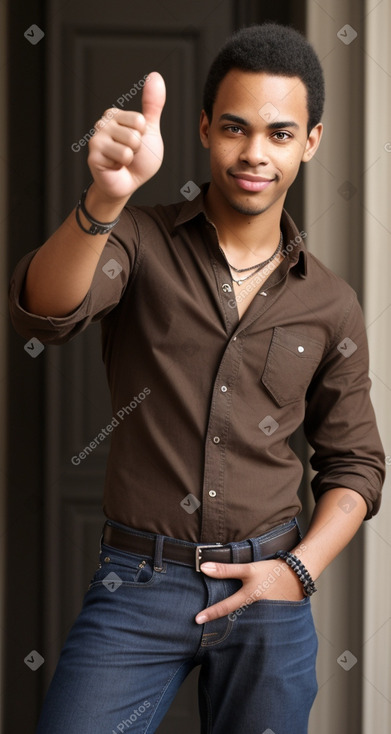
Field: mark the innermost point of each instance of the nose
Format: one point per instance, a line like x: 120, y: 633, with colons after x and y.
x: 254, y: 151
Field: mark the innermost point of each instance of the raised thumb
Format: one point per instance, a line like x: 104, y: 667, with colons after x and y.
x: 153, y: 98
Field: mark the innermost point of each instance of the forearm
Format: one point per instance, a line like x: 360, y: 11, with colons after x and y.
x: 336, y: 518
x: 125, y: 152
x: 61, y: 272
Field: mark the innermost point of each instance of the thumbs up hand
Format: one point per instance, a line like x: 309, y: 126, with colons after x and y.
x: 127, y: 148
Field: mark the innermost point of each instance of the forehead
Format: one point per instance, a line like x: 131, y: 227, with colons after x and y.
x: 248, y: 92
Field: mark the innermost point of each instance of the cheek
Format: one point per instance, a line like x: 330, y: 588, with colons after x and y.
x: 220, y: 156
x: 291, y: 163
x: 223, y: 151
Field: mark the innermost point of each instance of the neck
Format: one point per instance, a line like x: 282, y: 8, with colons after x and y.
x: 244, y: 236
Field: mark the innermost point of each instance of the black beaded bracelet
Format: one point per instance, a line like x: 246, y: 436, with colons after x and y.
x: 299, y: 568
x: 96, y: 227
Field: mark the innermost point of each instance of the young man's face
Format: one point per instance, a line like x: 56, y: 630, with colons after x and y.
x: 257, y: 139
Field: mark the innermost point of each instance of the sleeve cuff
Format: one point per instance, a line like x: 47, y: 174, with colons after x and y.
x: 49, y: 329
x: 368, y: 488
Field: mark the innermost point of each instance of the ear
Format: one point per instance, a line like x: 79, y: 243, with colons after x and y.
x: 204, y: 129
x: 312, y: 143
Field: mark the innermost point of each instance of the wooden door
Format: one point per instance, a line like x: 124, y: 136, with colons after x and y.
x: 92, y: 54
x: 98, y: 56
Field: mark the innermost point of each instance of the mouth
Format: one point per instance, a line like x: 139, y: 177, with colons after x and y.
x: 249, y: 182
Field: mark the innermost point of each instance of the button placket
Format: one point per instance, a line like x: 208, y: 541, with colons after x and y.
x: 216, y: 442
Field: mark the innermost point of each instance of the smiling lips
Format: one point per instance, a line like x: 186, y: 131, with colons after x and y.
x: 251, y: 183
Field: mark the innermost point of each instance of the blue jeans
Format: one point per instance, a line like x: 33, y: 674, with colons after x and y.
x: 136, y: 640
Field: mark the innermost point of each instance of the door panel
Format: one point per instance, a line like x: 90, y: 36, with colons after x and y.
x: 95, y: 58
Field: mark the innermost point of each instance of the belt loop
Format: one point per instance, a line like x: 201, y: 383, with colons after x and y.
x: 298, y: 528
x: 158, y: 556
x: 256, y: 546
x: 235, y: 553
x: 101, y: 541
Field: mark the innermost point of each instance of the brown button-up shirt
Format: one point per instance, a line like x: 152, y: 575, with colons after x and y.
x: 203, y: 403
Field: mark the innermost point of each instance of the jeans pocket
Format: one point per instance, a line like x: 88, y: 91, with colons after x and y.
x: 118, y: 568
x: 285, y: 602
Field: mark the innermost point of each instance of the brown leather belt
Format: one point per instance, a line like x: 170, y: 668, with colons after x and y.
x: 179, y: 552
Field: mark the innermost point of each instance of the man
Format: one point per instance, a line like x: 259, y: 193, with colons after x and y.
x: 231, y: 335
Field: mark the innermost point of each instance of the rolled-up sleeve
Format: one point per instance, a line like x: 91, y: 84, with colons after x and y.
x: 340, y: 423
x: 113, y: 272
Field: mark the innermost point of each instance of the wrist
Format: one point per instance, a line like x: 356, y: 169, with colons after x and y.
x: 313, y: 563
x: 294, y: 579
x: 88, y: 222
x: 298, y: 567
x: 102, y: 207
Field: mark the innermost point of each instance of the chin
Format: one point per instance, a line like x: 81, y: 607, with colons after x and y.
x: 247, y: 208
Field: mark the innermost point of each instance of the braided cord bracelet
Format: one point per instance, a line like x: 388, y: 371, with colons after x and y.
x: 96, y: 227
x: 299, y: 568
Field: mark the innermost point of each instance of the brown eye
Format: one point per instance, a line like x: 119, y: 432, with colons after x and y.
x: 282, y: 133
x: 233, y: 129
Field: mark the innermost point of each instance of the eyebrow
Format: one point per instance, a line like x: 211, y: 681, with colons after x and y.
x: 271, y: 125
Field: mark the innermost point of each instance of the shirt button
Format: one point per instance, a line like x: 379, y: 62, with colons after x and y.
x: 216, y: 439
x: 212, y: 493
x: 234, y: 339
x: 300, y: 349
x: 224, y: 388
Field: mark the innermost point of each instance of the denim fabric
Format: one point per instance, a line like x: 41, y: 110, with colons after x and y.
x: 136, y: 640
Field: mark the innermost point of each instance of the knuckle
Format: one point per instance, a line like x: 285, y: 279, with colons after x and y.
x: 100, y: 122
x: 222, y: 609
x: 135, y: 137
x: 140, y: 121
x: 126, y: 156
x: 92, y: 158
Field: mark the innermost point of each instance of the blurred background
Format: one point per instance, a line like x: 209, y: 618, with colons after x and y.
x: 62, y: 63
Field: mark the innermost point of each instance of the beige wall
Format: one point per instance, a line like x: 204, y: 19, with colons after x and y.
x: 333, y: 221
x: 377, y: 281
x: 3, y: 314
x: 351, y: 234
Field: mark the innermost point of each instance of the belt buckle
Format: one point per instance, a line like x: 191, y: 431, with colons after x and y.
x: 198, y: 554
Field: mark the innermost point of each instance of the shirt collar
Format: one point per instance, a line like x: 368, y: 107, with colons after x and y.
x: 294, y: 248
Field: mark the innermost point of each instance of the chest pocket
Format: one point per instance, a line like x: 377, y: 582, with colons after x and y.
x: 291, y: 362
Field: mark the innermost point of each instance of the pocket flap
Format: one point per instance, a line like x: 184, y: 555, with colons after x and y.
x: 291, y: 362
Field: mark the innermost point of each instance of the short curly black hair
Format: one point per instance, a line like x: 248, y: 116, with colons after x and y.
x: 275, y: 49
